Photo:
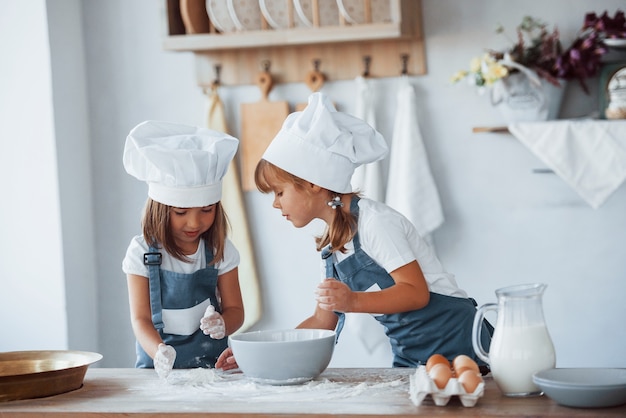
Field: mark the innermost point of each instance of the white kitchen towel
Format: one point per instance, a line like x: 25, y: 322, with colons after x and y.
x: 368, y: 178
x: 589, y: 155
x: 411, y: 189
x: 234, y: 206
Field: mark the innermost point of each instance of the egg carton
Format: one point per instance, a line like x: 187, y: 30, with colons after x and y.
x: 422, y: 385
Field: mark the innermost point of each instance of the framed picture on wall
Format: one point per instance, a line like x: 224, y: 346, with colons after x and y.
x: 612, y: 91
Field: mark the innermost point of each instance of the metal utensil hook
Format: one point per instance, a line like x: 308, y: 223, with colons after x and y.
x: 367, y: 60
x: 405, y: 63
x: 316, y: 64
x: 218, y: 72
x: 265, y: 65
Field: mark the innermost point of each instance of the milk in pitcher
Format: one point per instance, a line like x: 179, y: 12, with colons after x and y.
x: 516, y: 353
x: 521, y: 344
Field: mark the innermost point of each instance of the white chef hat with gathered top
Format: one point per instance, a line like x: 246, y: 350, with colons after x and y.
x: 183, y: 165
x: 324, y: 146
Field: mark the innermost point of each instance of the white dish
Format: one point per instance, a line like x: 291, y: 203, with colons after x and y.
x: 276, y: 12
x: 583, y: 387
x: 220, y: 15
x: 329, y: 12
x: 283, y: 357
x: 245, y: 14
x: 354, y: 11
x: 615, y: 42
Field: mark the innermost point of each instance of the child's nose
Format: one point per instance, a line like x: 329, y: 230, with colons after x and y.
x: 193, y: 220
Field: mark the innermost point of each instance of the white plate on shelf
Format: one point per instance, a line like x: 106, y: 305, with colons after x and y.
x: 354, y: 10
x: 220, y: 15
x: 583, y: 387
x: 245, y: 14
x: 329, y: 12
x: 276, y: 12
x: 615, y: 42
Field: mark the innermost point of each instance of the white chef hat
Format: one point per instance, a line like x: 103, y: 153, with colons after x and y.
x: 183, y: 165
x: 324, y: 146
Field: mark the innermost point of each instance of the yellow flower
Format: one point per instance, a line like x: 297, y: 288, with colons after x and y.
x: 494, y: 72
x: 475, y: 65
x: 458, y: 76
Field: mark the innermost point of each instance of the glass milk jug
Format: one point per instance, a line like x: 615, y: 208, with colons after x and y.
x: 520, y: 345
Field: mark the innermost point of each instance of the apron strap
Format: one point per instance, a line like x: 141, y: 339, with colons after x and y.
x: 330, y: 267
x: 153, y: 261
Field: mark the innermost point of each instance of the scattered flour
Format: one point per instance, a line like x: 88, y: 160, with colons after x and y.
x: 214, y: 385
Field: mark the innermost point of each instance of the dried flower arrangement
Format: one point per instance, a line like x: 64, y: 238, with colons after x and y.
x: 540, y: 50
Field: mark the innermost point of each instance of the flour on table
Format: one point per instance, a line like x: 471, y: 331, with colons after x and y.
x: 217, y: 384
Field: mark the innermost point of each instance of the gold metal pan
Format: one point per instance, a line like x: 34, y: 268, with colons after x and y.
x: 35, y: 374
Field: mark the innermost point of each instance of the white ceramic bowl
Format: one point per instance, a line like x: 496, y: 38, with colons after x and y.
x: 584, y: 387
x: 283, y: 357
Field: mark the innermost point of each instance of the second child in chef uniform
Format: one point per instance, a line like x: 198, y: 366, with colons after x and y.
x: 373, y: 259
x: 182, y: 271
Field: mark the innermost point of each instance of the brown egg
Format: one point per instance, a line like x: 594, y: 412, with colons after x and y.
x: 436, y: 359
x: 462, y: 362
x: 440, y: 373
x: 470, y: 380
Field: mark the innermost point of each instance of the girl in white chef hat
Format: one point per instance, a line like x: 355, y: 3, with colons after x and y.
x: 375, y: 262
x: 182, y: 275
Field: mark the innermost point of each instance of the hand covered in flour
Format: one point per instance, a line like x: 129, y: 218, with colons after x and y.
x: 164, y: 360
x: 212, y: 324
x: 333, y: 295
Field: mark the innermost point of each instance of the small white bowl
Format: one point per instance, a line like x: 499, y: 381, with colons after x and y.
x: 584, y: 387
x: 283, y: 357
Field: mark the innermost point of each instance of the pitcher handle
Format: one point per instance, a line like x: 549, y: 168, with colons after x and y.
x: 478, y: 328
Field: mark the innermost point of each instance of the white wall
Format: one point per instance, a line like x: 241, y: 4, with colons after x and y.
x: 48, y: 271
x: 504, y: 225
x: 32, y: 299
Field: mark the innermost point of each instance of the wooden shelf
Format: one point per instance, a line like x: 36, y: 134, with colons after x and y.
x: 340, y: 50
x: 286, y: 37
x: 490, y: 129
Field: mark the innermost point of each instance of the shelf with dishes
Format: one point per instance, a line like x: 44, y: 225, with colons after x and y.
x: 339, y: 36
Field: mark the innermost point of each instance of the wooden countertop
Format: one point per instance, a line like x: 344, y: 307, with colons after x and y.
x: 110, y: 393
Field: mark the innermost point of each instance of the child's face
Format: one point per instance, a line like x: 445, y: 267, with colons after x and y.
x: 295, y: 204
x: 188, y: 225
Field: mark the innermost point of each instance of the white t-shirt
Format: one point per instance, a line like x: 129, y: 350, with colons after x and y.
x: 133, y: 262
x: 392, y: 241
x: 179, y: 321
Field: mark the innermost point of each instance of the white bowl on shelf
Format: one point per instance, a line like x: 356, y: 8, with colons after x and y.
x: 328, y: 10
x: 219, y: 15
x: 245, y: 14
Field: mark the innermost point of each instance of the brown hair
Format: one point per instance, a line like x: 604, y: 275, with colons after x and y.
x: 156, y: 231
x: 344, y: 224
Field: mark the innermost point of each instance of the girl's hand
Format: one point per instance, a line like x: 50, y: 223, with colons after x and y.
x: 333, y: 295
x: 226, y: 360
x: 212, y: 324
x: 164, y: 360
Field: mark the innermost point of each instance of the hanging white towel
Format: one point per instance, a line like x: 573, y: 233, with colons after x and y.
x: 411, y: 189
x: 232, y: 200
x: 589, y: 155
x: 368, y: 178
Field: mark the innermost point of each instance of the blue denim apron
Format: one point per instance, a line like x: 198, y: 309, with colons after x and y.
x: 444, y: 326
x: 171, y: 290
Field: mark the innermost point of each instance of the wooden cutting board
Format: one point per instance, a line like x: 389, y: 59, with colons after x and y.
x: 260, y: 122
x: 195, y: 17
x: 314, y: 80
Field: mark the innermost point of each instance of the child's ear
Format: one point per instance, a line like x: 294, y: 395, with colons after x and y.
x: 315, y: 188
